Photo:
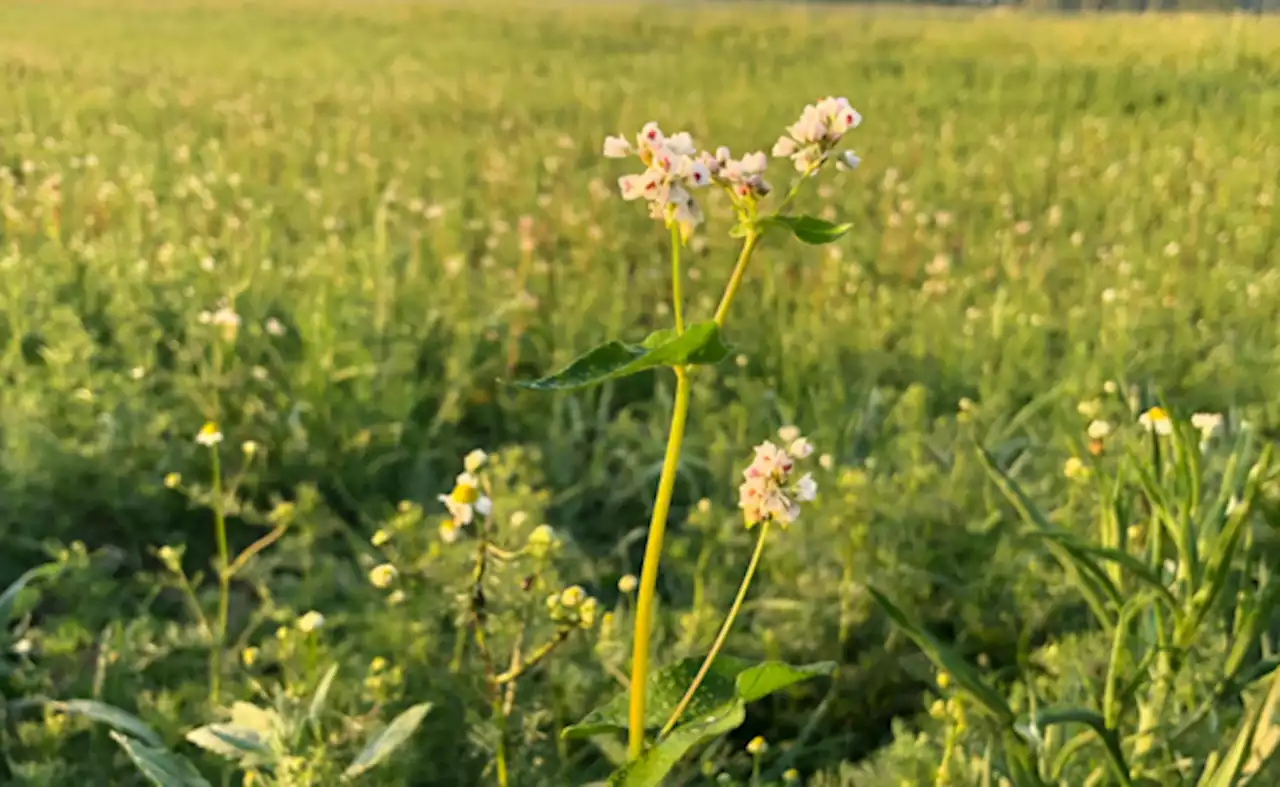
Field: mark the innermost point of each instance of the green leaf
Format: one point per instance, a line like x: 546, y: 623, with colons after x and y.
x: 808, y: 229
x: 947, y: 659
x: 1029, y: 728
x: 241, y: 744
x: 1224, y: 773
x: 699, y: 345
x: 10, y: 596
x: 162, y: 767
x: 322, y: 694
x: 652, y: 767
x: 387, y: 741
x: 113, y: 717
x: 763, y: 679
x: 729, y: 678
x: 1140, y: 570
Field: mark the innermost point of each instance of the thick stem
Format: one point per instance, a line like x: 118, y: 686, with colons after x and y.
x: 724, y: 632
x: 677, y: 301
x: 224, y: 580
x: 649, y: 571
x: 735, y: 279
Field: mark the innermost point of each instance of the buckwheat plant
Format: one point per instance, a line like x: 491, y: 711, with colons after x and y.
x: 673, y: 171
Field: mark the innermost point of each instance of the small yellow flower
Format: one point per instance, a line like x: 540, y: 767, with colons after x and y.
x: 380, y: 537
x: 209, y: 435
x: 382, y: 576
x: 172, y: 480
x: 627, y: 584
x: 542, y: 540
x: 396, y: 598
x: 474, y: 461
x: 757, y: 746
x: 587, y: 613
x: 1156, y: 420
x: 572, y: 596
x: 249, y: 656
x: 378, y: 664
x: 249, y: 447
x: 944, y: 680
x: 312, y: 621
x: 1075, y: 469
x: 791, y: 776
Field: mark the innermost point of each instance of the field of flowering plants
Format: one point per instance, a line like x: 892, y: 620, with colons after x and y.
x: 948, y: 407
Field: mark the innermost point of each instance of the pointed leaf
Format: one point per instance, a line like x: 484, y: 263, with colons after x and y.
x: 322, y: 693
x: 113, y: 717
x: 1029, y: 728
x: 767, y: 677
x: 651, y: 769
x: 162, y: 768
x: 1224, y: 773
x: 264, y: 721
x: 387, y: 741
x: 239, y: 744
x: 700, y: 344
x: 947, y: 659
x: 810, y: 230
x: 10, y: 595
x: 1140, y: 570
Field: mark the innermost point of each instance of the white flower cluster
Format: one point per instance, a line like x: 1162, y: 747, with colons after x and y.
x: 671, y: 170
x: 810, y: 139
x: 466, y: 500
x: 768, y: 493
x: 744, y: 177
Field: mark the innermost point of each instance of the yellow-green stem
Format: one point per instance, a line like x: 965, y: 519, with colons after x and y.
x: 677, y: 302
x: 724, y: 632
x: 735, y: 279
x: 649, y: 571
x: 224, y: 580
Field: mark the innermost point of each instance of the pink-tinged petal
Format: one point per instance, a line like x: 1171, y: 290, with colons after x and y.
x: 785, y: 146
x: 632, y: 186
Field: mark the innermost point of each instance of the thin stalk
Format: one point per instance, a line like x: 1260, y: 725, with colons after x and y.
x: 735, y: 278
x: 649, y: 571
x: 677, y: 301
x: 500, y: 756
x: 224, y: 580
x: 724, y: 632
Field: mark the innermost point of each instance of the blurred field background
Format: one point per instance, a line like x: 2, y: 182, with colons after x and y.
x: 1046, y: 204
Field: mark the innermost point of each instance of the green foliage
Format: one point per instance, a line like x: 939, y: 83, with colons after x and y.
x: 810, y: 230
x: 699, y: 345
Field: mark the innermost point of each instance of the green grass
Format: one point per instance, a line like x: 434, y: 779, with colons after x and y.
x: 1045, y: 204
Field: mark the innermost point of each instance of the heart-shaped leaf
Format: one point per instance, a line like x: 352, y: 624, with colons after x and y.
x: 728, y: 679
x: 387, y: 741
x: 113, y: 717
x: 162, y: 768
x: 947, y: 659
x: 810, y: 230
x: 652, y: 767
x: 699, y: 345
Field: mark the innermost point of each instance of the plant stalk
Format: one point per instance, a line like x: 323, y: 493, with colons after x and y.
x: 735, y: 279
x: 649, y: 571
x: 224, y: 580
x: 724, y: 632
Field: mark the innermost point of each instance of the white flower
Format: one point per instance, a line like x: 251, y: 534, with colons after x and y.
x: 800, y: 448
x: 312, y: 621
x: 209, y: 436
x: 806, y: 489
x: 475, y: 460
x: 274, y: 327
x: 465, y: 500
x: 817, y: 132
x: 1098, y: 430
x: 382, y: 576
x: 1156, y: 420
x: 1207, y: 424
x: 789, y: 434
x: 847, y: 160
x: 616, y: 147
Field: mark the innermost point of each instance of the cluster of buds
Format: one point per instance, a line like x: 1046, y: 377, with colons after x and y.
x: 743, y: 177
x: 768, y: 493
x: 572, y: 607
x: 810, y: 140
x: 466, y: 500
x: 671, y: 170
